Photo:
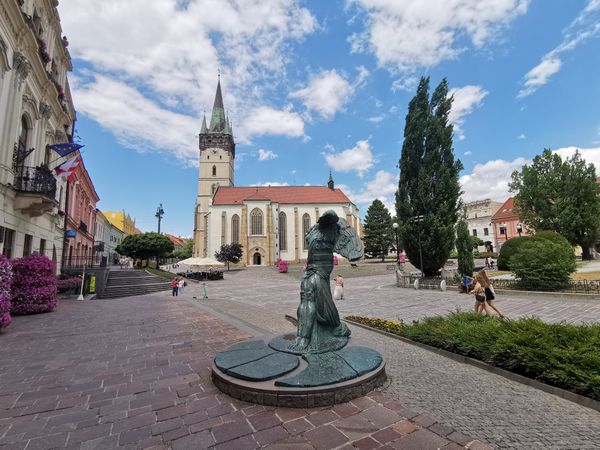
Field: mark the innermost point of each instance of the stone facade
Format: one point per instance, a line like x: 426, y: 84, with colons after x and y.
x: 36, y: 110
x: 479, y: 218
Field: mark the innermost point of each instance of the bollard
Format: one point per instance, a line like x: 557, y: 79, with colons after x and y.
x: 205, y: 290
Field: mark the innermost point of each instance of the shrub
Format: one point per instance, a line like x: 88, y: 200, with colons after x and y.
x: 508, y: 249
x: 5, y: 284
x: 34, y: 285
x: 68, y: 285
x: 544, y: 263
x: 282, y: 266
x: 464, y: 246
x: 381, y: 324
x: 488, y: 255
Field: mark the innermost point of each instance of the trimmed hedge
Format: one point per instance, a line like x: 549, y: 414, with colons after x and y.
x: 508, y: 249
x: 5, y: 284
x: 562, y: 355
x: 34, y: 285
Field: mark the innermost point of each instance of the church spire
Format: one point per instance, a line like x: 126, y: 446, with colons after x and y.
x: 330, y: 183
x: 217, y: 119
x: 204, y: 128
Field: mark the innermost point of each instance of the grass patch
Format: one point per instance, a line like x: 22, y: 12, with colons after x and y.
x: 590, y: 276
x: 161, y: 273
x: 562, y: 355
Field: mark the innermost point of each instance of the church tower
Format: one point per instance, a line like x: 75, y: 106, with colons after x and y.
x: 217, y: 154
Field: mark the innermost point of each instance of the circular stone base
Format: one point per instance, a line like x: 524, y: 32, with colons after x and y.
x: 301, y: 386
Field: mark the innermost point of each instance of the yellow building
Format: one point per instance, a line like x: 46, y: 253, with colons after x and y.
x: 122, y: 221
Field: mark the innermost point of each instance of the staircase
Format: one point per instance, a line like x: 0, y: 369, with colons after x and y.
x: 128, y: 282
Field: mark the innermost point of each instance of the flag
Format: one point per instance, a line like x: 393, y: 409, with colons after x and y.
x: 67, y: 168
x: 64, y: 149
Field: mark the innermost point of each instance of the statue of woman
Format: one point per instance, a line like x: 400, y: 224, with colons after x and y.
x: 319, y: 325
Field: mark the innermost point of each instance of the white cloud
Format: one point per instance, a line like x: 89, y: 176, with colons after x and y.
x: 376, y: 119
x: 173, y: 62
x: 357, y: 159
x: 410, y: 34
x: 272, y: 183
x: 522, y: 136
x: 266, y: 120
x: 583, y: 28
x: 466, y: 99
x: 326, y: 93
x: 264, y: 155
x: 591, y: 155
x: 468, y: 153
x: 490, y: 180
x: 382, y: 186
x: 405, y: 84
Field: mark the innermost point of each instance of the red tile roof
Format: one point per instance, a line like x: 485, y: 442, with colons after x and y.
x: 279, y: 194
x: 505, y: 212
x: 177, y: 241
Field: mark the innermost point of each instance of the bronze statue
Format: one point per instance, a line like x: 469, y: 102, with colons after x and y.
x: 319, y: 325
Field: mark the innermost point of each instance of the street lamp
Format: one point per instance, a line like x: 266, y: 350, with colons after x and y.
x: 395, y: 226
x: 159, y: 213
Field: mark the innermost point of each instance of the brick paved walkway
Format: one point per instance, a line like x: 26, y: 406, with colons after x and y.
x: 475, y: 402
x: 135, y: 373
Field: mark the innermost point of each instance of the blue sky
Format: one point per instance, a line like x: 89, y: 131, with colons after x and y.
x: 314, y: 86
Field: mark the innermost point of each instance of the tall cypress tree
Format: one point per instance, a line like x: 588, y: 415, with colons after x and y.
x: 428, y: 196
x: 464, y: 246
x: 378, y: 230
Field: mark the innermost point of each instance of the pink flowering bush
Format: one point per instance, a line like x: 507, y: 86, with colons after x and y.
x: 5, y: 283
x: 68, y: 285
x: 282, y: 266
x: 34, y: 285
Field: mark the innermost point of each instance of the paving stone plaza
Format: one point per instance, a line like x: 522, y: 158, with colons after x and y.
x: 135, y: 373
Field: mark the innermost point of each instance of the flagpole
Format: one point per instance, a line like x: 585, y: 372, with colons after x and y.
x: 54, y: 160
x: 65, y: 239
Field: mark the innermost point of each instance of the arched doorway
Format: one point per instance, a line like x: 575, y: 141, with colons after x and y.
x: 256, y: 260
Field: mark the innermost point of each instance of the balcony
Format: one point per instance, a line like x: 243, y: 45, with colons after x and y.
x: 36, y: 190
x: 83, y: 226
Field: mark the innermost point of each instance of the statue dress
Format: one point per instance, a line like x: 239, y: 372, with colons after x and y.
x: 319, y: 325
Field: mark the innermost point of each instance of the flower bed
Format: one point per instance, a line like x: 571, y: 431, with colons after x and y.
x: 34, y: 285
x: 68, y: 285
x: 561, y: 355
x: 5, y: 284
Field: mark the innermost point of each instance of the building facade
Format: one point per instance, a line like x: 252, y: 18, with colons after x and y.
x: 478, y: 215
x: 81, y: 218
x: 270, y: 222
x: 122, y: 221
x: 35, y: 110
x: 506, y: 224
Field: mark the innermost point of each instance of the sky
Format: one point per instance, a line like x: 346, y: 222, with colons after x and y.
x: 319, y: 86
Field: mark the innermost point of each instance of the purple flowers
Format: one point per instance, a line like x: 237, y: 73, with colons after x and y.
x: 34, y: 285
x: 5, y: 284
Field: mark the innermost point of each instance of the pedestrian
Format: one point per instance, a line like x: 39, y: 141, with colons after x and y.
x: 181, y: 285
x: 338, y: 292
x: 175, y: 286
x: 487, y: 262
x: 479, y: 292
x: 489, y: 291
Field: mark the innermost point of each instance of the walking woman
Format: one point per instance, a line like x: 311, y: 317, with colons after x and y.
x: 175, y: 286
x: 479, y: 292
x: 489, y: 291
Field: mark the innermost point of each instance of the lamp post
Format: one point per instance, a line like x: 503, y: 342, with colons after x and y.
x: 159, y: 213
x: 419, y: 219
x: 395, y: 226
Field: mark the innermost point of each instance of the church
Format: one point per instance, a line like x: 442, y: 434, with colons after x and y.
x: 270, y: 222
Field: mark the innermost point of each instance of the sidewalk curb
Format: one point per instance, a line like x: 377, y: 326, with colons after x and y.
x: 567, y: 395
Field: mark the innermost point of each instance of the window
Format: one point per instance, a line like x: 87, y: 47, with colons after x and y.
x: 235, y: 229
x: 282, y: 231
x: 7, y: 237
x: 305, y: 227
x: 214, y: 171
x: 27, y: 243
x: 503, y: 230
x: 474, y: 232
x: 42, y: 246
x: 486, y: 232
x: 256, y: 222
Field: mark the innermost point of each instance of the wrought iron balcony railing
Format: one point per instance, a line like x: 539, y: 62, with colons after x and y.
x: 37, y: 180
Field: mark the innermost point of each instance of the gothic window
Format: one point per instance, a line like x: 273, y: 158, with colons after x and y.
x: 214, y: 171
x: 256, y: 222
x: 235, y: 229
x: 282, y: 231
x: 305, y: 227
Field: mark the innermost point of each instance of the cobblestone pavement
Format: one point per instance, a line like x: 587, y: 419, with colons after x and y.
x: 135, y: 373
x: 475, y: 402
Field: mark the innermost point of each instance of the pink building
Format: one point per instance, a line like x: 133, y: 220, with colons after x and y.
x: 507, y: 224
x: 81, y: 218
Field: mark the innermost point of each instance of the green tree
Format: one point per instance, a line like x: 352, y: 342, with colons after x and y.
x: 464, y: 246
x: 428, y: 196
x: 185, y: 251
x: 559, y: 195
x: 378, y: 233
x: 229, y: 253
x: 145, y: 246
